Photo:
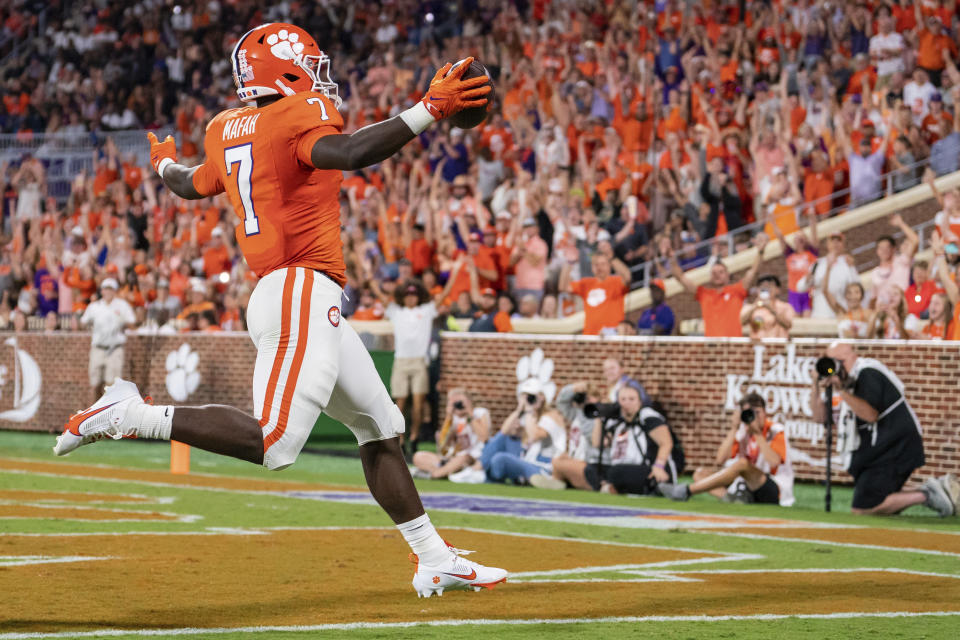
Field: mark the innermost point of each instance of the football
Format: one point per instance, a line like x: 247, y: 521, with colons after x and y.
x: 469, y: 118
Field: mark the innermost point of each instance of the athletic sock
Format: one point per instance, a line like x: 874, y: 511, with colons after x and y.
x: 425, y: 541
x: 152, y: 422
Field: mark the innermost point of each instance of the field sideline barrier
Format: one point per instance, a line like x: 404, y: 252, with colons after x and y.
x: 43, y: 380
x: 699, y: 381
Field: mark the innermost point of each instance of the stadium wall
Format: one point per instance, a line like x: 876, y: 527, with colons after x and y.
x: 699, y: 381
x: 43, y: 379
x: 222, y: 366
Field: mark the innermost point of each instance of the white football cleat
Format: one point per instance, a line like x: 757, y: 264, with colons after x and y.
x: 105, y: 419
x: 458, y: 573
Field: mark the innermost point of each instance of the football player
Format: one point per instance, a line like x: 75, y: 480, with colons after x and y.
x: 280, y: 160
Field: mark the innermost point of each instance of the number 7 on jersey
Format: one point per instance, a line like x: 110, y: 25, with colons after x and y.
x: 243, y: 155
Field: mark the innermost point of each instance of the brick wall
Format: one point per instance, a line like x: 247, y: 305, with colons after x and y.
x: 686, y: 307
x: 693, y: 378
x: 225, y: 364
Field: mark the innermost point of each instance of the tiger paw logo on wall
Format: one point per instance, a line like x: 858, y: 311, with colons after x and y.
x: 182, y: 375
x: 536, y: 366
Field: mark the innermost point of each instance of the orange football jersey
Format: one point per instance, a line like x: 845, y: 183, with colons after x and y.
x: 289, y: 211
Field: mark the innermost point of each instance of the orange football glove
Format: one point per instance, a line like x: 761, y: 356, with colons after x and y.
x: 159, y: 151
x: 448, y: 94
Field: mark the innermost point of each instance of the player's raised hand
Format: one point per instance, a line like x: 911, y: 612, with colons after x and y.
x: 161, y: 151
x: 448, y: 94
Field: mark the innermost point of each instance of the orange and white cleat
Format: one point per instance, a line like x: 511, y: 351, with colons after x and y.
x: 458, y: 573
x: 105, y: 419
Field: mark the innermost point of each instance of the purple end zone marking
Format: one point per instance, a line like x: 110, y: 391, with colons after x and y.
x: 523, y: 508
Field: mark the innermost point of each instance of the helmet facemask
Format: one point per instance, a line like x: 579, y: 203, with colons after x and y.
x: 318, y: 69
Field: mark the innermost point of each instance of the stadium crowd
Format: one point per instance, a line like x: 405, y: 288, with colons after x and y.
x: 622, y: 133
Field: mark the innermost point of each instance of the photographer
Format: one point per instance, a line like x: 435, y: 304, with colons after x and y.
x: 636, y: 447
x: 460, y: 440
x: 755, y: 449
x: 568, y: 467
x: 528, y: 440
x: 879, y: 435
x: 768, y: 316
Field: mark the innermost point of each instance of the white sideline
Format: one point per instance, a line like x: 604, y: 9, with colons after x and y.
x: 832, y: 543
x: 351, y: 626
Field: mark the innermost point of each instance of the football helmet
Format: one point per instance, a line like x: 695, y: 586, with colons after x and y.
x: 279, y: 58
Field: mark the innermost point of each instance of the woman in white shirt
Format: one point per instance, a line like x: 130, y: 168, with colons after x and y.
x: 459, y: 442
x: 528, y: 440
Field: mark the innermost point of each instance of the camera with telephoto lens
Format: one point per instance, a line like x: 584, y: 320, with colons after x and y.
x: 827, y: 367
x: 601, y: 410
x: 748, y: 415
x: 579, y: 397
x: 459, y: 406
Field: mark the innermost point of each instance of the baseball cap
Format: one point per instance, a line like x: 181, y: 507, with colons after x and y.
x: 504, y: 215
x: 866, y: 122
x: 530, y: 385
x: 658, y: 282
x: 77, y: 231
x: 529, y: 222
x: 489, y: 229
x: 936, y: 97
x: 476, y: 236
x: 217, y: 231
x: 489, y: 292
x: 109, y: 283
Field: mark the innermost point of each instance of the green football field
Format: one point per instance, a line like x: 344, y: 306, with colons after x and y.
x: 107, y: 543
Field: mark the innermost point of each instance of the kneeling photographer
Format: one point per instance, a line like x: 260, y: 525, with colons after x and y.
x: 754, y: 453
x: 879, y: 435
x: 637, y: 447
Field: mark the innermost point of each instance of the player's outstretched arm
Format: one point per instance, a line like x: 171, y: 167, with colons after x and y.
x: 447, y: 95
x: 177, y: 177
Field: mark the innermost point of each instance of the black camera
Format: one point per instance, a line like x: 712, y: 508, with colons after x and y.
x: 531, y: 398
x: 601, y: 410
x: 459, y: 406
x: 748, y: 415
x: 827, y: 367
x: 580, y: 397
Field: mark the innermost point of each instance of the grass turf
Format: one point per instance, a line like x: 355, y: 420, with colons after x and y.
x: 251, y: 510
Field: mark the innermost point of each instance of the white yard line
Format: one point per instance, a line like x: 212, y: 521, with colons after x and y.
x: 832, y: 543
x: 20, y: 561
x: 172, y: 517
x: 351, y: 626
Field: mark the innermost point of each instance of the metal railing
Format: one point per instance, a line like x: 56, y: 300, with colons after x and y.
x: 923, y: 232
x: 703, y: 248
x: 65, y: 155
